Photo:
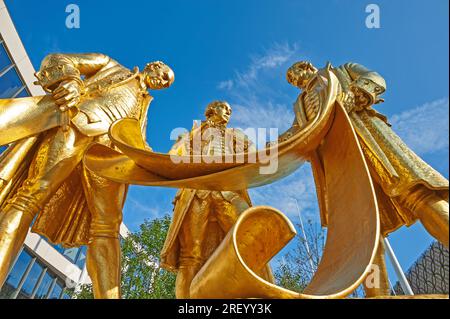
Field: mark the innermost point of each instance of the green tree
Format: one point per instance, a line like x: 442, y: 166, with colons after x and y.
x: 142, y: 276
x: 298, y: 266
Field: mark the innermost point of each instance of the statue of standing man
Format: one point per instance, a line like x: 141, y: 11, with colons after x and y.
x: 407, y: 188
x: 69, y: 204
x: 202, y: 218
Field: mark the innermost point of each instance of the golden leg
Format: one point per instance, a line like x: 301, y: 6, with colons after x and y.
x: 433, y: 213
x: 103, y: 265
x: 105, y: 201
x: 431, y: 209
x: 227, y: 214
x: 377, y: 282
x: 184, y: 279
x: 14, y: 225
x: 58, y: 154
x: 192, y: 238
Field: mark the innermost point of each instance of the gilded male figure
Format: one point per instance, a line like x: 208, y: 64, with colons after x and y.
x: 72, y: 206
x: 407, y: 188
x: 202, y: 218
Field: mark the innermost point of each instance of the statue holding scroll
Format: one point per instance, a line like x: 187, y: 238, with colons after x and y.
x: 43, y: 177
x: 202, y: 218
x: 407, y: 188
x: 74, y: 151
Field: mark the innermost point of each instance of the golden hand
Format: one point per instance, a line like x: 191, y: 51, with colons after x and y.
x: 67, y: 94
x: 361, y: 98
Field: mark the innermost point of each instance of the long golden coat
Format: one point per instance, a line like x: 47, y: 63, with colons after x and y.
x: 111, y: 92
x: 182, y: 203
x: 394, y: 167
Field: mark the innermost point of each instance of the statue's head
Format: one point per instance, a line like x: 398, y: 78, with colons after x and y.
x: 158, y: 75
x: 300, y: 73
x: 218, y: 112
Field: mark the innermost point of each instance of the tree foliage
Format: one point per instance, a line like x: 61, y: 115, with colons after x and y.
x: 298, y: 266
x: 142, y: 276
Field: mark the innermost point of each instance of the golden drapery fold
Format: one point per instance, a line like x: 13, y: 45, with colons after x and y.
x: 395, y: 168
x: 170, y: 251
x: 65, y: 218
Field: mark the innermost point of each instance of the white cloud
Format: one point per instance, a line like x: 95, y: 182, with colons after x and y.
x: 425, y: 128
x: 274, y: 57
x: 225, y: 85
x: 252, y: 114
x: 258, y: 95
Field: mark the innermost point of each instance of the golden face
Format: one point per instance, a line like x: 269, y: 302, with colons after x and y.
x: 219, y: 112
x: 158, y: 76
x: 300, y: 73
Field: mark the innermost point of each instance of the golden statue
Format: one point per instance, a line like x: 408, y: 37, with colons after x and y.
x: 237, y: 267
x: 352, y: 151
x: 327, y: 134
x: 202, y: 218
x: 42, y: 176
x: 407, y: 188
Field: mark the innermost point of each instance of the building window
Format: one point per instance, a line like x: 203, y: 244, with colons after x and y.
x: 43, y: 289
x: 57, y: 291
x: 15, y: 276
x: 5, y: 61
x: 71, y: 254
x: 10, y: 84
x: 81, y: 258
x: 76, y: 255
x: 30, y: 279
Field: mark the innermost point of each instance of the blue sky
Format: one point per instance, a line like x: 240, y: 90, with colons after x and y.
x: 240, y: 50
